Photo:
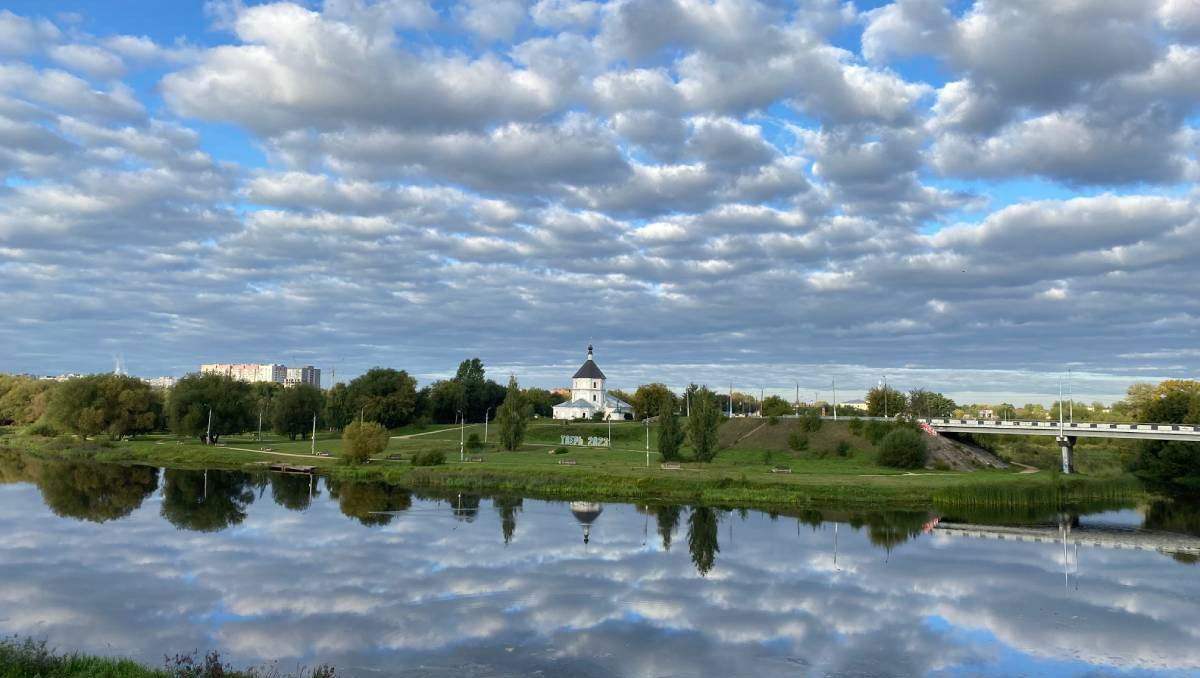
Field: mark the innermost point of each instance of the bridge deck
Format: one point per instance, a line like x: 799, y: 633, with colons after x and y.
x: 1102, y: 537
x: 1079, y: 429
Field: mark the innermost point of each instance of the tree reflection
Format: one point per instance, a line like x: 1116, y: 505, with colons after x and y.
x: 293, y: 491
x: 95, y: 492
x: 466, y: 507
x: 667, y: 518
x: 193, y: 502
x: 702, y: 538
x: 507, y: 507
x: 367, y: 501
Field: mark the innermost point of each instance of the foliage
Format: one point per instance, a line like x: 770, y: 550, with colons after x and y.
x: 369, y: 502
x: 542, y: 401
x: 923, y: 403
x: 874, y: 431
x: 23, y: 399
x: 95, y: 492
x: 670, y: 434
x: 338, y: 409
x: 231, y: 402
x: 702, y: 425
x: 473, y: 443
x: 363, y: 440
x: 885, y: 401
x: 652, y: 399
x: 560, y: 450
x: 512, y: 417
x: 811, y: 422
x: 702, y: 538
x: 1169, y: 466
x: 843, y: 448
x: 797, y: 442
x: 902, y: 448
x: 41, y: 428
x: 856, y: 426
x: 116, y: 405
x: 384, y: 395
x: 429, y: 458
x: 205, y: 501
x: 774, y: 406
x: 294, y: 408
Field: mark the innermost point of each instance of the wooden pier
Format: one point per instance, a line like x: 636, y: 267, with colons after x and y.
x: 291, y: 468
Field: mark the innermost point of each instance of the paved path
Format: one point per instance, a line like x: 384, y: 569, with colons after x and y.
x: 426, y: 433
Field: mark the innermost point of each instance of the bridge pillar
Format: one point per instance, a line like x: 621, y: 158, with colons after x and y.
x: 1067, y: 445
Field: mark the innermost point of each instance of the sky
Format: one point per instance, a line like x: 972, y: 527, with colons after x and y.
x: 974, y: 197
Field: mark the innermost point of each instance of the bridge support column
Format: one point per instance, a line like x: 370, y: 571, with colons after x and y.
x: 1067, y: 445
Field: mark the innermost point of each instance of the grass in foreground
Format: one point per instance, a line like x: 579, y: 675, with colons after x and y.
x: 32, y: 659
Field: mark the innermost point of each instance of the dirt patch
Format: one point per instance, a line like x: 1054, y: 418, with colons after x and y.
x: 960, y: 456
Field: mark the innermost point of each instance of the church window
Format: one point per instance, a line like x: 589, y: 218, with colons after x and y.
x: 593, y: 397
x: 593, y: 384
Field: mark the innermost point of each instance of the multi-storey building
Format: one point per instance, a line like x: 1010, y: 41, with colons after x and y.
x: 250, y: 372
x: 303, y: 375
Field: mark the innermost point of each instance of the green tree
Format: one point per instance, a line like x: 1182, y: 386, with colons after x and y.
x: 206, y: 501
x: 774, y: 406
x: 369, y: 502
x: 542, y: 401
x: 363, y: 440
x: 264, y: 394
x: 384, y: 395
x: 338, y: 409
x: 294, y: 410
x: 508, y: 508
x: 232, y: 403
x: 667, y: 518
x: 811, y: 422
x: 112, y: 404
x: 885, y: 401
x: 670, y: 434
x: 1168, y: 466
x: 924, y: 403
x: 902, y: 448
x: 446, y: 399
x: 650, y: 399
x: 95, y: 492
x: 293, y: 491
x: 473, y: 444
x: 702, y: 538
x: 702, y: 425
x: 512, y: 417
x: 22, y: 399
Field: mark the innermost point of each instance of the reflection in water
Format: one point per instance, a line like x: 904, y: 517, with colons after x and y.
x: 369, y: 501
x: 206, y: 501
x: 466, y: 593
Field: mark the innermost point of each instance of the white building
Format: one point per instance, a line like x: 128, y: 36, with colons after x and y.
x: 165, y: 383
x: 303, y: 375
x: 589, y: 396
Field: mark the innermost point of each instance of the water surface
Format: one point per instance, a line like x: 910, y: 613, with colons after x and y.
x: 380, y: 582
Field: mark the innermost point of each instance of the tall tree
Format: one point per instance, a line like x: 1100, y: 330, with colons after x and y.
x: 446, y: 400
x: 507, y: 507
x: 885, y: 401
x: 363, y: 440
x: 542, y: 401
x: 231, y: 402
x: 295, y: 409
x: 23, y: 399
x: 774, y: 406
x: 115, y: 405
x: 702, y: 425
x: 384, y: 395
x: 206, y: 501
x: 512, y: 417
x: 670, y: 435
x: 702, y: 538
x: 924, y: 403
x: 338, y: 410
x: 668, y: 519
x: 649, y: 400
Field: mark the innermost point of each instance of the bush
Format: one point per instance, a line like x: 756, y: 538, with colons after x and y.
x: 772, y: 420
x: 797, y: 442
x: 843, y: 448
x: 875, y: 431
x: 429, y: 458
x: 902, y: 448
x: 811, y: 422
x: 474, y: 444
x: 363, y: 440
x: 856, y: 426
x: 43, y: 429
x: 559, y: 450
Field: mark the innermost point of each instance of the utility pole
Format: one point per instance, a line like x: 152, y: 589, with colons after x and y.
x: 885, y: 397
x: 647, y: 420
x: 208, y: 435
x: 462, y: 436
x: 260, y: 423
x: 797, y: 397
x: 314, y: 434
x: 731, y: 400
x: 1060, y: 409
x: 760, y: 400
x: 1071, y: 395
x: 835, y: 398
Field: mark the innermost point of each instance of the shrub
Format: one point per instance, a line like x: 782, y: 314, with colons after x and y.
x: 429, y: 458
x: 772, y: 420
x: 843, y: 448
x: 42, y: 428
x: 902, y: 448
x: 811, y: 422
x: 559, y: 450
x: 856, y: 426
x: 363, y: 440
x: 875, y: 431
x: 474, y: 444
x: 797, y: 442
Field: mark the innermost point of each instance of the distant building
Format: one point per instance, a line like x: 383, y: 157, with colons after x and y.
x: 303, y: 375
x: 986, y: 414
x: 860, y: 405
x: 162, y: 382
x: 590, y: 396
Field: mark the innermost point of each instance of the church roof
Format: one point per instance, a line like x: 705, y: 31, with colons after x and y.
x: 577, y: 403
x: 589, y: 369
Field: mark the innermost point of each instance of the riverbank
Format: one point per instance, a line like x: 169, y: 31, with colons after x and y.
x: 27, y: 658
x: 741, y: 475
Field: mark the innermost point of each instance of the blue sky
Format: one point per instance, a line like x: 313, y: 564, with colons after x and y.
x: 971, y: 196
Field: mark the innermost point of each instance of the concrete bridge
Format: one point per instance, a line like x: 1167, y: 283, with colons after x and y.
x: 1065, y: 433
x: 1101, y: 536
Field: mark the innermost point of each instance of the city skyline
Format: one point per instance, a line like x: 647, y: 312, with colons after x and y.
x: 970, y: 197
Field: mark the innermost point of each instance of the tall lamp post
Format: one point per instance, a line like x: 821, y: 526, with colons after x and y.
x: 313, y: 449
x: 647, y: 420
x: 462, y: 436
x: 485, y: 424
x: 208, y: 433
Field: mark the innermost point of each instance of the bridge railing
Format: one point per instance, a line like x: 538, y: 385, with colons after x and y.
x: 1054, y: 425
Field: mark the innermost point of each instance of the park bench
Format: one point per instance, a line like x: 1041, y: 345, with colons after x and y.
x: 781, y: 469
x: 475, y: 459
x: 395, y: 457
x: 671, y: 466
x: 567, y: 462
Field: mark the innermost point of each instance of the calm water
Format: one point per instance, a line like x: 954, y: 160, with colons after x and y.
x: 139, y: 562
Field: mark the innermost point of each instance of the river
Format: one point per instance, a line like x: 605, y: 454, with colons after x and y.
x: 286, y: 571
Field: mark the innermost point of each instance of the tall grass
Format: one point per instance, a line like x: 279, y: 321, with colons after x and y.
x: 1060, y: 491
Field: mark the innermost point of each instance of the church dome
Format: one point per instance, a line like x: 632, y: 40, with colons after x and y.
x: 589, y: 370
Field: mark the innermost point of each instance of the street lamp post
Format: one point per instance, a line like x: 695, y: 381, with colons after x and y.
x: 314, y: 434
x: 208, y: 434
x: 885, y: 397
x: 647, y: 420
x: 462, y: 436
x: 485, y: 424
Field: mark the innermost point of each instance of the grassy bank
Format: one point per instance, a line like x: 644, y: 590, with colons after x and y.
x: 744, y: 473
x: 30, y: 659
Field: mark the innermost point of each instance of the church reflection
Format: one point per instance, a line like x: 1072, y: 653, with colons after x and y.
x: 586, y: 513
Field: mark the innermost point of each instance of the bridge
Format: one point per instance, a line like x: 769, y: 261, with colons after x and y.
x: 1065, y: 433
x: 1101, y: 536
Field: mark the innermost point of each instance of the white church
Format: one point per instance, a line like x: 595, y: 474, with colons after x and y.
x: 589, y: 396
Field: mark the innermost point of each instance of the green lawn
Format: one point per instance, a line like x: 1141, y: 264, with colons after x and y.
x: 741, y: 474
